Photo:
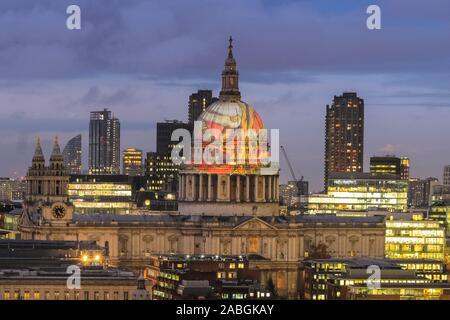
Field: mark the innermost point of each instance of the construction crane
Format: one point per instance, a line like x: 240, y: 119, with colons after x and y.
x: 298, y: 183
x: 289, y: 164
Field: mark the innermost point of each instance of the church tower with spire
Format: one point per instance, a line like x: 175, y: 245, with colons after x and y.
x: 46, y: 197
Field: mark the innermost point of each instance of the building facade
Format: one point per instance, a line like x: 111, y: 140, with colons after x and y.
x: 344, y: 135
x: 104, y: 143
x: 72, y: 155
x: 198, y: 102
x: 420, y: 192
x: 361, y: 192
x: 446, y: 176
x: 12, y: 190
x: 132, y: 162
x: 415, y: 239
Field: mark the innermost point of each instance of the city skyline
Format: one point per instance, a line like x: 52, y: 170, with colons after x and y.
x: 295, y: 77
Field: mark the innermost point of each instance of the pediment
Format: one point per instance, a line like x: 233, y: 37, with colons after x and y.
x: 254, y: 224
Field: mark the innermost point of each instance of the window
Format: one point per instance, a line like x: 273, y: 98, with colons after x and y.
x: 125, y: 295
x: 86, y: 295
x: 47, y: 295
x: 232, y: 265
x: 56, y: 295
x: 96, y: 295
x: 116, y: 295
x: 26, y: 295
x: 106, y: 295
x: 6, y: 295
x: 37, y: 295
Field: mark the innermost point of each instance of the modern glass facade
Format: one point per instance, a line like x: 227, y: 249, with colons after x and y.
x: 92, y: 196
x: 104, y: 143
x: 414, y: 240
x: 360, y: 192
x: 72, y: 155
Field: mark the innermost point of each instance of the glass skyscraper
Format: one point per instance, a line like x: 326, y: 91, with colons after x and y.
x: 72, y: 155
x: 104, y: 143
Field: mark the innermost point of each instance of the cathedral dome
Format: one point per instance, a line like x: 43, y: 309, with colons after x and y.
x: 229, y: 111
x: 231, y: 114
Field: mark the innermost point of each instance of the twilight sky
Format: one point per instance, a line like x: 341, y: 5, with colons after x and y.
x: 142, y: 59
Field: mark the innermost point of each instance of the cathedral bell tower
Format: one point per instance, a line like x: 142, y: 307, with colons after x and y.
x: 46, y: 198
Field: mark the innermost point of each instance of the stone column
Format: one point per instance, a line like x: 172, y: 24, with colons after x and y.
x: 270, y: 196
x: 238, y: 188
x: 180, y: 187
x: 200, y: 187
x: 209, y: 187
x: 264, y: 188
x: 276, y: 188
x: 228, y: 187
x: 247, y: 188
x: 183, y: 187
x: 255, y: 187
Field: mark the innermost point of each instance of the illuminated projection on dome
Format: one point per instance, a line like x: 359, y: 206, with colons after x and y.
x: 230, y: 136
x: 233, y: 169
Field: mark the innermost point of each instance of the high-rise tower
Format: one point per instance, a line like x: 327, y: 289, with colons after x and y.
x: 198, y: 102
x: 344, y: 135
x: 104, y: 143
x: 72, y: 155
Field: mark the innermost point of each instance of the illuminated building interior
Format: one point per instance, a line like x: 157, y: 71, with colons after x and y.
x: 419, y: 239
x: 336, y: 278
x: 132, y: 162
x: 100, y: 196
x: 360, y: 192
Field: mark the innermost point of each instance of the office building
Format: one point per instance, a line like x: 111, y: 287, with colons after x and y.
x: 415, y: 239
x: 420, y: 192
x: 390, y: 164
x: 205, y: 277
x: 344, y: 135
x: 111, y: 194
x: 446, y: 176
x: 329, y: 279
x: 72, y: 155
x: 164, y: 131
x: 9, y: 223
x: 198, y: 102
x: 132, y: 162
x: 104, y: 143
x: 439, y: 193
x: 404, y: 168
x: 294, y: 194
x: 360, y: 192
x: 12, y: 190
x: 440, y: 211
x: 161, y: 173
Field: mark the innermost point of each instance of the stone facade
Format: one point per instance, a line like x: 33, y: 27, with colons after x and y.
x: 285, y: 241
